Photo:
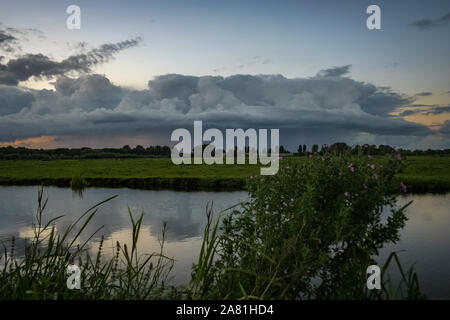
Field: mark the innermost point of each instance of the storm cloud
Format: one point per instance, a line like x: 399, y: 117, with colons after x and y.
x: 41, y: 66
x: 91, y: 105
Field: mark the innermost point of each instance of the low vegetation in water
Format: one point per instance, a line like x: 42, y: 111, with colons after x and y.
x: 308, y: 232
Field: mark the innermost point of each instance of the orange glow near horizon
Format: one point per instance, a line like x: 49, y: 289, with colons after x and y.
x: 433, y: 121
x: 43, y: 142
x: 73, y: 141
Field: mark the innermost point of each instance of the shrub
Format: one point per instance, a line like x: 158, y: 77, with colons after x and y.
x: 309, y: 231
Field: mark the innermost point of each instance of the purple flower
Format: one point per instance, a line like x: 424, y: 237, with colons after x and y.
x: 280, y: 158
x: 403, y: 186
x: 369, y: 156
x: 310, y: 155
x: 396, y: 150
x: 352, y: 169
x: 372, y: 166
x: 323, y: 159
x: 364, y: 186
x: 375, y: 176
x: 346, y: 193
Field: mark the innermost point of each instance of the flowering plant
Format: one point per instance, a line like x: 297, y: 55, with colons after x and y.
x: 312, y: 229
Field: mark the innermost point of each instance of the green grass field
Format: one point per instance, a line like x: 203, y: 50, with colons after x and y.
x: 422, y: 174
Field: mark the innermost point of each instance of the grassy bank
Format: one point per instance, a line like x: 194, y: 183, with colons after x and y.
x: 422, y: 174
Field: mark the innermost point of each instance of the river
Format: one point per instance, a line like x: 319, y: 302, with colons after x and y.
x: 425, y: 239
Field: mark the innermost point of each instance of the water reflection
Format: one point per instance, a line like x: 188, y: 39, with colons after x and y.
x: 425, y: 242
x: 425, y: 239
x: 184, y: 213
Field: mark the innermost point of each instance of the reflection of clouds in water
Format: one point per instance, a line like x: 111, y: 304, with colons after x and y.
x: 184, y: 212
x: 29, y: 232
x: 183, y: 252
x: 426, y: 242
x: 424, y: 207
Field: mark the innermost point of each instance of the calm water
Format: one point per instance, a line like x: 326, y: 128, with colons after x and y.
x: 425, y: 239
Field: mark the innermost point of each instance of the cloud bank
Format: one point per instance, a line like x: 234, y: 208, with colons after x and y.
x: 329, y: 104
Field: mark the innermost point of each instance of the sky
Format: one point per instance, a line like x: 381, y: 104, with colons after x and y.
x: 137, y: 70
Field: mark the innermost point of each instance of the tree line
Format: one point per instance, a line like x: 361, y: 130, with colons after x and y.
x: 366, y: 148
x: 22, y: 153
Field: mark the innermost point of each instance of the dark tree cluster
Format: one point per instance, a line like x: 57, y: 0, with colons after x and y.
x: 381, y: 149
x: 21, y: 153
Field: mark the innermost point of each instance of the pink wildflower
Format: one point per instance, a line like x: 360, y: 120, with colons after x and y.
x: 403, y: 186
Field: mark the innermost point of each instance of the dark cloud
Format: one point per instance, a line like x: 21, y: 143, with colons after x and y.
x: 407, y: 113
x: 13, y: 100
x: 7, y: 41
x: 439, y: 110
x: 426, y: 109
x: 382, y: 102
x: 445, y: 128
x: 424, y: 94
x: 427, y: 24
x: 335, y: 71
x: 331, y: 106
x: 11, y: 38
x: 39, y: 65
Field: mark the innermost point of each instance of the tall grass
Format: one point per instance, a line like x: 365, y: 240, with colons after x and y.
x: 42, y: 272
x: 78, y: 184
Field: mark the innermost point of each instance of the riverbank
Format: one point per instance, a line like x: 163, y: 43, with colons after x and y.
x: 422, y: 174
